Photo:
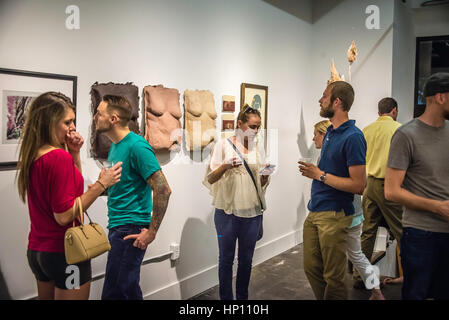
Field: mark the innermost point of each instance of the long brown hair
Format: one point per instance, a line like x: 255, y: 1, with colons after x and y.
x: 41, y: 119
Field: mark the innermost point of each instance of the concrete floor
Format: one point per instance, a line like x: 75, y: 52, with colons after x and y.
x: 283, y: 278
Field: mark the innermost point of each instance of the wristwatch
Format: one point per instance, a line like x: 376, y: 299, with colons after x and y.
x: 323, y: 177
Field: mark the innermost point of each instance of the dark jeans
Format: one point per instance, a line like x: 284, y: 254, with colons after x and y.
x: 425, y: 262
x: 230, y: 229
x: 123, y: 267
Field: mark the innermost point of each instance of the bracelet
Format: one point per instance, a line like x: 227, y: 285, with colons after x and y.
x: 101, y: 184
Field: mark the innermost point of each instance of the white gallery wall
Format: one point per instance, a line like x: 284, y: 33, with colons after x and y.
x: 196, y: 44
x: 404, y: 55
x: 411, y: 21
x: 333, y: 32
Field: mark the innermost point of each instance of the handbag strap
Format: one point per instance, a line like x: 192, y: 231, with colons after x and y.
x: 247, y: 169
x: 80, y: 208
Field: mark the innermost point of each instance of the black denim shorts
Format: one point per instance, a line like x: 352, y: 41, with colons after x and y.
x: 52, y: 266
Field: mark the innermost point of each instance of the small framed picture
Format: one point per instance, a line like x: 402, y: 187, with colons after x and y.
x: 228, y: 103
x: 256, y: 96
x: 18, y: 88
x: 228, y: 125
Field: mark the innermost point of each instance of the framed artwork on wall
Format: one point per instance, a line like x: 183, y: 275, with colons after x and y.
x: 18, y: 88
x: 256, y: 96
x: 228, y: 125
x: 228, y: 104
x: 227, y: 122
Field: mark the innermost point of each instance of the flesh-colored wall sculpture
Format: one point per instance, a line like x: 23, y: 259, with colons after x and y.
x: 162, y: 118
x: 199, y: 118
x: 352, y: 56
x: 352, y: 52
x: 335, y: 76
x: 100, y: 143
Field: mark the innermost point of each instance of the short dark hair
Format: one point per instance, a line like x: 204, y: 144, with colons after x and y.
x: 120, y: 105
x: 343, y: 91
x: 245, y: 112
x: 436, y: 83
x: 386, y: 105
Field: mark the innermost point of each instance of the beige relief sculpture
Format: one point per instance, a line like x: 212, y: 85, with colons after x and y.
x: 352, y: 56
x: 352, y: 52
x: 162, y: 118
x: 335, y: 76
x: 199, y: 118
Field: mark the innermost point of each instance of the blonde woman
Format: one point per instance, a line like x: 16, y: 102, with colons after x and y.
x: 49, y: 179
x: 355, y: 254
x: 237, y: 178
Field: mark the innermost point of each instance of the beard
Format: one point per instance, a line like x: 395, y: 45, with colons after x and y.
x: 103, y: 128
x: 327, y: 112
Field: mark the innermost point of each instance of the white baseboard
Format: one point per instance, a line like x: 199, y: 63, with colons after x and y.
x: 208, y: 278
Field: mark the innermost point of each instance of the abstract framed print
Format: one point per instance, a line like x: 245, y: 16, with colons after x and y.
x: 18, y: 88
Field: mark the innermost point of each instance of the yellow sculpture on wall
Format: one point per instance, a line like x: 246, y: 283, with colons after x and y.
x: 199, y: 118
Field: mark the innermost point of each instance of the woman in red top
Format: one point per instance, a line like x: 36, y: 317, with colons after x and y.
x: 50, y: 179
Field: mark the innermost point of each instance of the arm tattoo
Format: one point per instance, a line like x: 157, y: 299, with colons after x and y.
x: 161, y: 194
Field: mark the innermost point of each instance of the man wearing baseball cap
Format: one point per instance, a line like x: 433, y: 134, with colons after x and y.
x: 418, y: 177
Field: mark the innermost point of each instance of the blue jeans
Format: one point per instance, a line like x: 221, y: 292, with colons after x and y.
x: 425, y: 264
x: 230, y: 229
x: 123, y: 267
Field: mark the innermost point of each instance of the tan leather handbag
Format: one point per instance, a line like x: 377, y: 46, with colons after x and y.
x: 85, y: 241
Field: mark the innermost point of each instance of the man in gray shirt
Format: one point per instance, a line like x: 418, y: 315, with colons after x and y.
x: 418, y: 177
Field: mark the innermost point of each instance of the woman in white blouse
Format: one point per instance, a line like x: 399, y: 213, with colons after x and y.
x: 238, y: 205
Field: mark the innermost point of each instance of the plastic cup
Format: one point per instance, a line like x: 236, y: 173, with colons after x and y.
x: 106, y: 164
x: 308, y: 160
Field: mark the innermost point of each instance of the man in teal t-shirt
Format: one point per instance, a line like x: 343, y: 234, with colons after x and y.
x: 136, y: 204
x: 129, y: 201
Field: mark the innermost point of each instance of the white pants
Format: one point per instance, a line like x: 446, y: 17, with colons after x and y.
x: 356, y: 256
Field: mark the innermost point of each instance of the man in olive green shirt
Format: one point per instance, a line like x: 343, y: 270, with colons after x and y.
x: 376, y: 209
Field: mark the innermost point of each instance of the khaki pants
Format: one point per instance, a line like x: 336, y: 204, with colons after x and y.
x: 325, y: 244
x: 375, y: 210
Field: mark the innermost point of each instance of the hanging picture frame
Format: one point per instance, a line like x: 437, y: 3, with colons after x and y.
x: 18, y: 88
x: 256, y: 96
x: 228, y: 103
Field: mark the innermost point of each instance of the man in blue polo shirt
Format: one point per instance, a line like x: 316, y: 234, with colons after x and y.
x: 339, y: 175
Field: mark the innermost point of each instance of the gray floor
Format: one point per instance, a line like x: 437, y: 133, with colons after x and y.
x: 283, y: 278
